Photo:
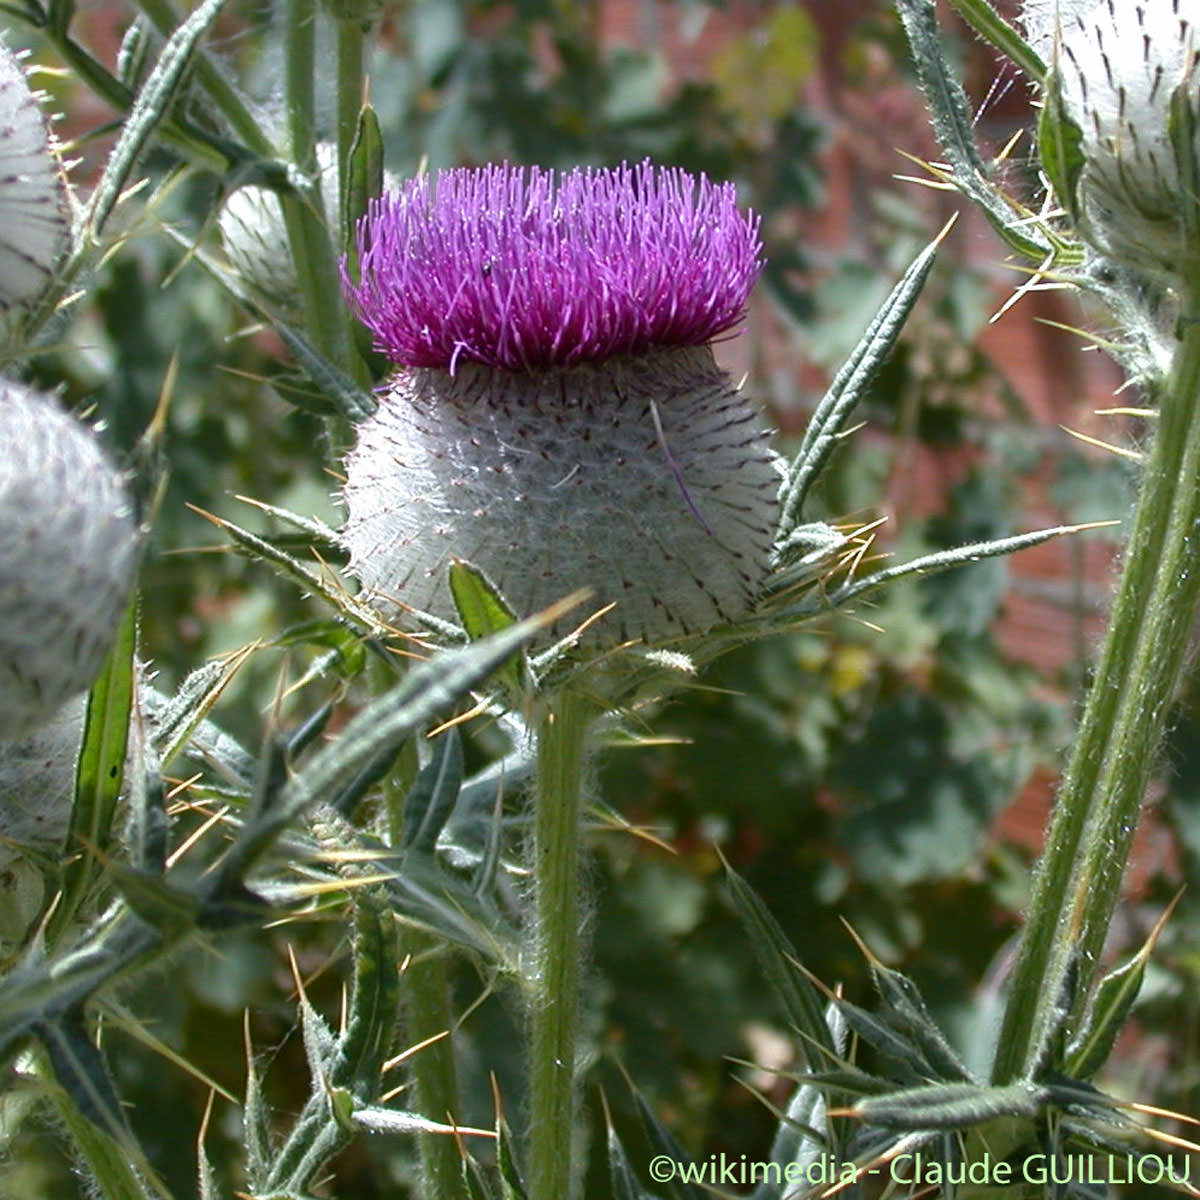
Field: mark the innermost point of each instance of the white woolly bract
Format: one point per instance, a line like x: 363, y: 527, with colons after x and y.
x: 37, y: 782
x: 1117, y: 64
x: 68, y: 551
x: 1043, y: 19
x: 647, y: 479
x: 32, y: 198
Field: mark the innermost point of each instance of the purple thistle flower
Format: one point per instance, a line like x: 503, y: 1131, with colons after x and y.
x: 519, y: 269
x: 558, y: 419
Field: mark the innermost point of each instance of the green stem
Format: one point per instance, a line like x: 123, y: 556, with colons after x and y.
x: 1077, y: 884
x: 425, y: 992
x: 308, y: 236
x: 349, y: 97
x: 561, y: 733
x: 428, y: 1014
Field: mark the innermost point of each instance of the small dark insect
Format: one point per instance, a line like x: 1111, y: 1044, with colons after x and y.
x: 486, y: 269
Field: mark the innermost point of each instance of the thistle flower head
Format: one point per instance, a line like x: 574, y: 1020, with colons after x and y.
x: 68, y: 550
x: 529, y: 268
x: 558, y: 418
x: 32, y: 224
x: 1118, y: 67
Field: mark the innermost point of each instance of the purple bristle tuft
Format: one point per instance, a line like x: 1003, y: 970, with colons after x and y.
x: 518, y: 268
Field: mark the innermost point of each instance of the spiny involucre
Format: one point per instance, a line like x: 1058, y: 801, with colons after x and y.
x: 32, y: 193
x: 558, y: 419
x: 1118, y: 67
x: 68, y: 553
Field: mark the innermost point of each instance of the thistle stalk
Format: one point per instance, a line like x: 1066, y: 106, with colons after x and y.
x: 562, y: 729
x: 428, y: 1015
x: 316, y: 266
x: 1077, y: 885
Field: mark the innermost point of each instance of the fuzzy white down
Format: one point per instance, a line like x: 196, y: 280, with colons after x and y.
x: 558, y: 479
x: 68, y: 552
x: 37, y: 782
x: 1117, y: 64
x: 32, y: 196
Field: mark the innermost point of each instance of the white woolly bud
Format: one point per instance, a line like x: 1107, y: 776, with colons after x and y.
x: 1117, y: 66
x: 37, y: 782
x: 32, y: 193
x: 68, y: 552
x: 646, y: 478
x: 255, y: 235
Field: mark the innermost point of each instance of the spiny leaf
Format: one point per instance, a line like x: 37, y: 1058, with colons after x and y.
x: 777, y: 957
x: 1060, y: 147
x: 951, y: 1105
x: 374, y: 1001
x: 426, y: 690
x: 623, y: 1183
x: 800, y: 1139
x: 886, y: 1040
x: 954, y: 125
x: 289, y: 567
x: 80, y: 1069
x: 848, y: 388
x: 100, y: 770
x: 174, y: 721
x: 1109, y: 1008
x: 989, y: 24
x: 150, y: 110
x: 445, y: 904
x: 482, y: 611
x: 320, y: 1044
x: 432, y: 798
x: 663, y: 1143
x: 160, y: 905
x: 364, y: 177
x: 256, y: 1122
x: 907, y: 1009
x: 512, y: 1186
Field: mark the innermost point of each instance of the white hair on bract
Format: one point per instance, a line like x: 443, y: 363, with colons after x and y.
x: 69, y: 548
x: 33, y: 223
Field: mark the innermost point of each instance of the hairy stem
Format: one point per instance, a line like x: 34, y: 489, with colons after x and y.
x: 1078, y: 882
x: 308, y: 236
x: 561, y: 733
x: 429, y: 1014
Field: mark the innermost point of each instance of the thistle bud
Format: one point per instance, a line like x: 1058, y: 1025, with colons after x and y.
x: 1118, y: 67
x: 32, y: 194
x: 37, y: 782
x: 558, y: 418
x: 68, y: 552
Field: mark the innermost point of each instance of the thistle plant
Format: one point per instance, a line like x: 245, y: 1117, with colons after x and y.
x: 1120, y: 159
x: 559, y: 508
